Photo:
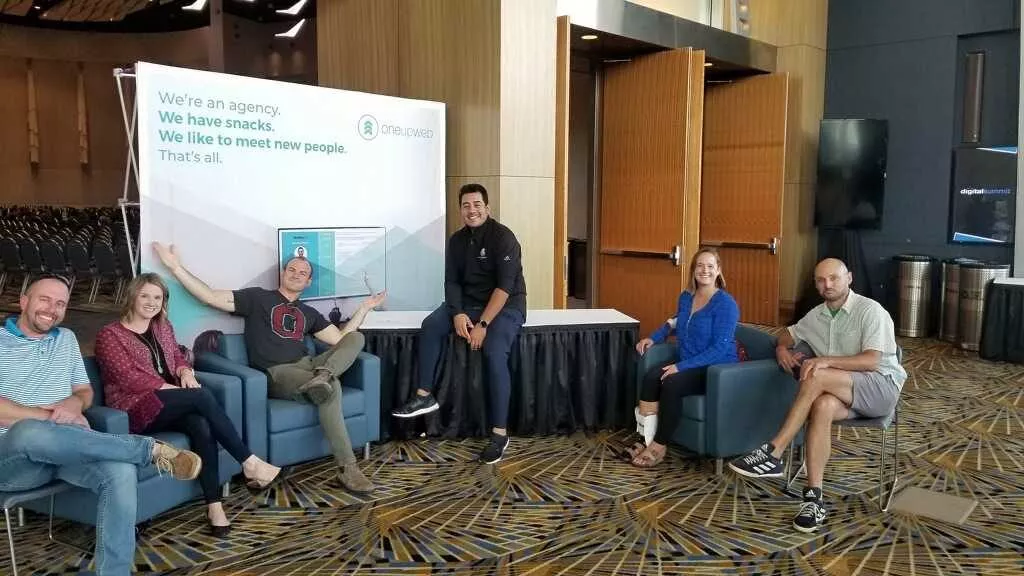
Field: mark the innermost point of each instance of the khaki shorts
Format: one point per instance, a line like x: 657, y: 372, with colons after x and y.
x: 874, y: 394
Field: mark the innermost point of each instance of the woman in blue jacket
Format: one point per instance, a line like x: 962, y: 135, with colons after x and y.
x: 705, y: 329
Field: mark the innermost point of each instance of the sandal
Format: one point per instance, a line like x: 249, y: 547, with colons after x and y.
x: 648, y: 459
x: 633, y: 451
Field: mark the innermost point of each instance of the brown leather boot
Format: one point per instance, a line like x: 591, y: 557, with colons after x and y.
x: 352, y: 479
x: 318, y: 389
x: 181, y: 464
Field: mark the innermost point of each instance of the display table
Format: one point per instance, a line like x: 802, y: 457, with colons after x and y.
x: 571, y: 369
x: 1002, y: 328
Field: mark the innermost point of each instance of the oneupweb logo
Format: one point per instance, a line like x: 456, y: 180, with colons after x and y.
x: 368, y: 127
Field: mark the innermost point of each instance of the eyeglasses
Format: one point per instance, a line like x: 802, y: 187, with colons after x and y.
x: 49, y: 276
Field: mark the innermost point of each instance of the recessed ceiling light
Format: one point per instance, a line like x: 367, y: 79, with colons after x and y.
x: 196, y: 6
x: 589, y: 37
x: 293, y: 31
x: 708, y: 64
x: 295, y: 9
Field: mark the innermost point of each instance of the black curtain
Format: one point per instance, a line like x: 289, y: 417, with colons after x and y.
x: 563, y: 379
x: 1002, y: 328
x: 846, y: 245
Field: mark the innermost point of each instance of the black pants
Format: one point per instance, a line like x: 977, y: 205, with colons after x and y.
x: 501, y: 334
x: 669, y: 392
x: 196, y: 413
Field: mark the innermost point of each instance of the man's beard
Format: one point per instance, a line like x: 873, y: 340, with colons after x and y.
x: 836, y: 296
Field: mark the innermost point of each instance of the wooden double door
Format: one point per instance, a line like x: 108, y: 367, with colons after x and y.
x: 684, y: 165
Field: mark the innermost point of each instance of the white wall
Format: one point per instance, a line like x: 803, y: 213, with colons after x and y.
x: 707, y: 12
x: 693, y: 10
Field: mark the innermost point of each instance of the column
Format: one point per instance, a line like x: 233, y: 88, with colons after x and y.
x: 492, y: 63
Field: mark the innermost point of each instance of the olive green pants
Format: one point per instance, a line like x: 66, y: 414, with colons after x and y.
x: 285, y: 380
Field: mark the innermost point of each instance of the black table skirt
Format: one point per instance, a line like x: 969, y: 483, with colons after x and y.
x: 563, y: 378
x: 1002, y: 328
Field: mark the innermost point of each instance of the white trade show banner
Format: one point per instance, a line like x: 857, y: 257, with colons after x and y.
x: 241, y: 174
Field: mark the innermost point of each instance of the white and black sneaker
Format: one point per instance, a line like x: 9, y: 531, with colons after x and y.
x: 758, y: 464
x: 495, y: 449
x: 812, y: 513
x: 417, y: 406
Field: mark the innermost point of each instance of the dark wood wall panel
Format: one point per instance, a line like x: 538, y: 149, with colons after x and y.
x: 13, y: 112
x: 14, y: 158
x: 107, y: 141
x: 56, y: 95
x: 64, y: 175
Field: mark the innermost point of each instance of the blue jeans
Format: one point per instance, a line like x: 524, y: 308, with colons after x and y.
x: 501, y: 334
x: 35, y: 452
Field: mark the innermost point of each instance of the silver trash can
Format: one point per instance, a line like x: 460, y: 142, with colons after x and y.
x: 914, y: 278
x: 974, y: 278
x: 949, y: 307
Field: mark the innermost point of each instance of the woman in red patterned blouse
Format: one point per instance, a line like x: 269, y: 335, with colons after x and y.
x: 146, y: 374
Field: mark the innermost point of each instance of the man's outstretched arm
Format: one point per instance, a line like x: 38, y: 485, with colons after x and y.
x: 219, y: 299
x: 331, y: 335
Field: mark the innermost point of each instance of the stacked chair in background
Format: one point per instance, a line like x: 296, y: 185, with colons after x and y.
x: 77, y: 243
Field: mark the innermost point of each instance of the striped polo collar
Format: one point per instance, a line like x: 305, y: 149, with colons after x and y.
x: 12, y: 326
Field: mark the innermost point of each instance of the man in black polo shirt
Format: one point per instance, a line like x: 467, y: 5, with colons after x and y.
x: 485, y: 303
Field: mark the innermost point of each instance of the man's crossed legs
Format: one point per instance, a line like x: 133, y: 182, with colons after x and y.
x: 826, y: 396
x: 317, y: 379
x: 36, y: 452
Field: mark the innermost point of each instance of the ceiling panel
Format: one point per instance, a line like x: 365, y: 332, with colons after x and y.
x: 139, y: 15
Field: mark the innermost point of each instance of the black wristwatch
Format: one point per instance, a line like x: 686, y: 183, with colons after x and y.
x: 483, y: 323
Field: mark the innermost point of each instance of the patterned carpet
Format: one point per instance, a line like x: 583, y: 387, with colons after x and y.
x: 566, y: 505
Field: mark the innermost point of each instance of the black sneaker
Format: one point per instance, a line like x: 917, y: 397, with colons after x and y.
x: 811, y: 515
x: 758, y: 464
x: 417, y: 406
x: 495, y: 449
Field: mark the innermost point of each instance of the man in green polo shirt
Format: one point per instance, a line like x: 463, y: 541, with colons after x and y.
x: 844, y: 354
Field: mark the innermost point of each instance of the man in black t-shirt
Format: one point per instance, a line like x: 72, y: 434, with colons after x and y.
x: 485, y: 304
x: 276, y: 325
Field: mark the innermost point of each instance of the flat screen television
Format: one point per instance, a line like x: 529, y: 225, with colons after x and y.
x: 984, y: 195
x: 346, y: 261
x: 852, y: 155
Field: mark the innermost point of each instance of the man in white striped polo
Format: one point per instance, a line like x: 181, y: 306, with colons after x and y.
x: 44, y: 433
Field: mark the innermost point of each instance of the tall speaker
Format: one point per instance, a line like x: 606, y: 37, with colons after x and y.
x: 974, y: 81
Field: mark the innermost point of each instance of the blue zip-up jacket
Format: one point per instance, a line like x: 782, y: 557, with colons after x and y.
x: 706, y: 338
